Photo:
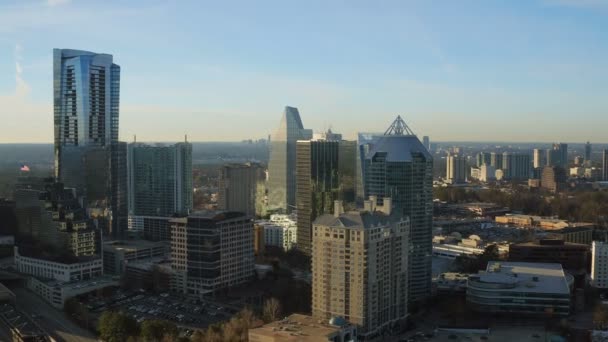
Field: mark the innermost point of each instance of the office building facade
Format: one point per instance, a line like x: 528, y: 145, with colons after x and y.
x: 539, y: 158
x: 599, y: 264
x: 54, y: 217
x: 281, y: 178
x: 238, y: 185
x: 118, y: 253
x: 558, y: 155
x: 520, y: 288
x: 153, y: 228
x: 516, y: 166
x: 483, y: 158
x: 79, y: 270
x: 325, y: 172
x: 398, y: 166
x: 496, y: 160
x: 573, y: 257
x: 160, y: 179
x: 456, y: 169
x: 211, y: 251
x: 553, y: 178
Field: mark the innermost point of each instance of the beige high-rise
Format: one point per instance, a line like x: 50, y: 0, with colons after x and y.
x: 359, y: 264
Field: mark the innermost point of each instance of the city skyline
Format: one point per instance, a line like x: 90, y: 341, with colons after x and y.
x: 494, y: 66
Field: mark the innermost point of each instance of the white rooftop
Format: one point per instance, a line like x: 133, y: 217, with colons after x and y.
x: 527, y: 276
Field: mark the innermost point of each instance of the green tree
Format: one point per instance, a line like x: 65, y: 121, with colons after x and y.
x: 157, y: 330
x: 116, y: 327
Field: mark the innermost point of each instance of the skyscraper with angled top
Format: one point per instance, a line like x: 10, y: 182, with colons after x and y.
x: 398, y: 166
x: 86, y: 87
x: 281, y: 166
x: 88, y: 155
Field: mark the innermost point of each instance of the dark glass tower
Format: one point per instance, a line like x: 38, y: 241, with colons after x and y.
x: 325, y: 172
x: 160, y: 179
x: 400, y: 167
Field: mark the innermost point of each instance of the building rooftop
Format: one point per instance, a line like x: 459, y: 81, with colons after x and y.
x: 147, y: 265
x: 355, y: 219
x: 552, y: 243
x: 526, y: 277
x: 398, y: 148
x: 93, y: 283
x: 214, y: 215
x: 134, y: 245
x: 297, y: 327
x: 22, y: 324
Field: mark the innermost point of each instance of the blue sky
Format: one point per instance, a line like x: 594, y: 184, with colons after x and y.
x: 512, y: 70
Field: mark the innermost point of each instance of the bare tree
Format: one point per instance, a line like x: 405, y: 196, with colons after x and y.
x: 272, y: 310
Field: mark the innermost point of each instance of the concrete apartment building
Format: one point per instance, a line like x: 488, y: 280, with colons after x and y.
x: 359, y: 266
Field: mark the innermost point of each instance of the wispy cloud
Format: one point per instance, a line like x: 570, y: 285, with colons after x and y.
x: 21, y: 109
x: 22, y: 88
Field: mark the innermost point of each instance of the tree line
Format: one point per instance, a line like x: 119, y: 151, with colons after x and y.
x: 116, y: 326
x: 588, y: 206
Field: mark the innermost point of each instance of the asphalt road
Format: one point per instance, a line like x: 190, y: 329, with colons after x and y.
x: 52, y: 320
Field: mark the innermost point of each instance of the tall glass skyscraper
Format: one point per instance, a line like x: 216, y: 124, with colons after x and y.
x: 398, y: 166
x: 281, y: 166
x: 160, y: 179
x: 86, y: 88
x: 88, y: 155
x: 325, y: 172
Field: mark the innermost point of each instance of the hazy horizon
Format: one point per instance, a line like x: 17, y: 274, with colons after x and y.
x: 456, y: 71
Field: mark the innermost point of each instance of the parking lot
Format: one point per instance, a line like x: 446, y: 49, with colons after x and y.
x: 187, y: 313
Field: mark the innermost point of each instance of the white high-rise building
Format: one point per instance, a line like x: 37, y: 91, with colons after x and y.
x: 281, y: 231
x: 599, y: 264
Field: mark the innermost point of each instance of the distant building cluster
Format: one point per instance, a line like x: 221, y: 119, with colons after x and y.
x: 361, y: 210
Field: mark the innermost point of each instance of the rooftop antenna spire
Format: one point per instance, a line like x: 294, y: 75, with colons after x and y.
x: 399, y: 127
x: 134, y: 138
x: 186, y: 137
